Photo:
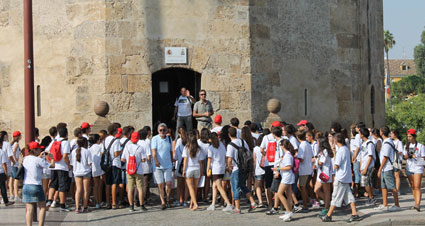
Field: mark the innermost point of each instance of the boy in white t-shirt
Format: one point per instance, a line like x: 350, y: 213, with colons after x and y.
x: 133, y: 149
x: 367, y: 163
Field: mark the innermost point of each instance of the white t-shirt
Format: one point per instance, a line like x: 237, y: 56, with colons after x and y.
x: 115, y: 147
x: 233, y: 152
x: 358, y: 143
x: 122, y: 141
x: 342, y: 159
x: 306, y: 153
x: 204, y: 149
x: 73, y: 144
x: 315, y: 148
x: 367, y: 149
x: 387, y: 151
x: 147, y: 165
x: 184, y: 106
x: 266, y: 140
x: 17, y: 153
x: 178, y: 151
x: 238, y: 134
x: 288, y: 177
x: 34, y: 169
x: 83, y: 167
x: 3, y: 159
x: 217, y: 129
x: 96, y: 155
x: 255, y: 135
x: 192, y: 163
x: 326, y: 167
x: 258, y: 170
x: 9, y: 152
x: 419, y: 151
x: 218, y: 159
x: 399, y: 147
x: 353, y: 145
x: 137, y: 151
x: 65, y: 149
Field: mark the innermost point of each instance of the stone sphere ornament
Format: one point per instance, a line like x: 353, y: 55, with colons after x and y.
x: 101, y: 108
x: 273, y: 106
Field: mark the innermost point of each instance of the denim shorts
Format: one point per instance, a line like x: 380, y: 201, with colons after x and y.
x: 357, y: 174
x: 193, y: 174
x: 88, y: 175
x: 387, y: 180
x: 238, y: 183
x: 124, y: 176
x: 14, y: 172
x: 32, y: 193
x: 162, y: 175
x: 260, y: 177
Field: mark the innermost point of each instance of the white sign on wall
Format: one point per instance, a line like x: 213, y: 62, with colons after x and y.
x: 175, y: 55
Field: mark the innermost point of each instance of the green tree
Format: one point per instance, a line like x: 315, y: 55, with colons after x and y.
x: 389, y: 43
x: 412, y: 84
x: 420, y: 56
x: 408, y: 114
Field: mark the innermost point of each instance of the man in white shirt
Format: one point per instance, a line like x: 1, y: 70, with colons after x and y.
x: 183, y: 109
x: 59, y: 180
x: 367, y: 164
x: 234, y: 122
x: 113, y: 177
x: 386, y: 171
x: 305, y: 155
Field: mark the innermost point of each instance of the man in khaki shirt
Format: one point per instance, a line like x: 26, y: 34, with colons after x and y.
x: 202, y: 111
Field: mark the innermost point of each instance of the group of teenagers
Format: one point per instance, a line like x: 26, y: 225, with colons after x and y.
x: 282, y: 162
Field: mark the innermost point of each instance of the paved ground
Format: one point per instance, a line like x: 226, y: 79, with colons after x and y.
x: 179, y: 216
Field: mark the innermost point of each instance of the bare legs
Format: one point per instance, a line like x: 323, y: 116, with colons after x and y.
x: 30, y: 213
x: 192, y: 184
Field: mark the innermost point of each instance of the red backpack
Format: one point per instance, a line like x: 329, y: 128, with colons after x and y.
x: 55, y: 150
x: 271, y: 151
x: 131, y: 165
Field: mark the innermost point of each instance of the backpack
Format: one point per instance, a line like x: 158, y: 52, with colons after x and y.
x: 122, y: 148
x: 105, y: 160
x: 245, y: 159
x: 376, y: 159
x: 131, y: 165
x: 55, y: 149
x: 271, y: 151
x: 296, y: 166
x: 396, y: 164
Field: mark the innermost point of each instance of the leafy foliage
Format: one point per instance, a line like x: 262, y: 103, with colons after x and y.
x: 410, y: 85
x: 419, y: 54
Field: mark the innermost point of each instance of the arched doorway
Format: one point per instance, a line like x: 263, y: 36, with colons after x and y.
x: 166, y: 85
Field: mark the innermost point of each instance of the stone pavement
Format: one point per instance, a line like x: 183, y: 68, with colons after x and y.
x: 182, y: 216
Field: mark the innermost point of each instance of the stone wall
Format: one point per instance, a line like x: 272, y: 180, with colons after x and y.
x: 321, y: 47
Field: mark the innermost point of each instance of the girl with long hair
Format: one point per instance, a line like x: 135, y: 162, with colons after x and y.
x: 97, y: 172
x: 14, y: 183
x: 216, y: 168
x: 322, y: 189
x: 204, y: 143
x: 179, y: 145
x: 192, y: 167
x: 398, y: 144
x: 81, y: 166
x: 259, y: 173
x: 246, y: 135
x: 412, y: 152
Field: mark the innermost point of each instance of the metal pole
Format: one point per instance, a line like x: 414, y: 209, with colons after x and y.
x: 29, y: 72
x: 29, y: 79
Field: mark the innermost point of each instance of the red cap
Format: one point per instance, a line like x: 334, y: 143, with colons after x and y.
x: 218, y: 119
x: 276, y: 124
x: 35, y: 145
x: 302, y: 123
x: 411, y: 132
x: 119, y: 133
x: 16, y: 133
x: 85, y: 125
x: 135, y: 137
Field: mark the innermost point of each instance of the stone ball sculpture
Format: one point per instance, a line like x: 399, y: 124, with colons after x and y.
x: 273, y: 106
x: 101, y: 108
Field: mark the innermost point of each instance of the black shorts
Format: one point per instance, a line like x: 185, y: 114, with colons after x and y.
x: 217, y: 176
x: 114, y: 176
x: 59, y: 180
x: 268, y: 176
x: 275, y: 184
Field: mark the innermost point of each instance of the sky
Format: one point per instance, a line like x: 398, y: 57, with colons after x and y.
x: 405, y: 19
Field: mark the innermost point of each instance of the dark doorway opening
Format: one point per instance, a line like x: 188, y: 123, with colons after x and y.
x: 166, y: 85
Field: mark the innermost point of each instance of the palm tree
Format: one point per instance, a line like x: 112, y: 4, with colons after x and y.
x: 389, y: 43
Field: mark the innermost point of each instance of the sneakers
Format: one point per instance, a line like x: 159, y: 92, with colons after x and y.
x: 185, y: 204
x: 228, y: 208
x: 303, y: 210
x: 9, y: 203
x: 53, y: 205
x: 272, y: 211
x: 371, y: 202
x: 252, y: 207
x: 395, y: 208
x: 66, y: 209
x: 354, y: 218
x: 131, y: 209
x: 211, y: 208
x: 323, y: 212
x: 322, y: 203
x: 236, y: 211
x: 143, y: 208
x: 326, y: 218
x: 163, y: 207
x: 382, y: 207
x: 297, y: 209
x: 97, y: 206
x: 287, y: 217
x: 316, y: 205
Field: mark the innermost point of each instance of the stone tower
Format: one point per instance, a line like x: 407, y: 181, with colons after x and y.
x: 322, y: 59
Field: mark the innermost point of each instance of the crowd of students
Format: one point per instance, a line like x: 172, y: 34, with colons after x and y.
x: 296, y: 168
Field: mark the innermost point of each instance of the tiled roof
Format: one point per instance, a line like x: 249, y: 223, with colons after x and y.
x: 396, y: 67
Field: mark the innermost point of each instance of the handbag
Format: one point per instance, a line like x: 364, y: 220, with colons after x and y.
x: 323, y: 177
x: 262, y: 161
x: 20, y: 173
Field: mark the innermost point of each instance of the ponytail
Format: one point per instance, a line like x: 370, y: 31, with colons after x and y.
x: 82, y: 143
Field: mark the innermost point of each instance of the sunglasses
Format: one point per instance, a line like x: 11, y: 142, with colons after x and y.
x: 161, y: 130
x: 202, y: 94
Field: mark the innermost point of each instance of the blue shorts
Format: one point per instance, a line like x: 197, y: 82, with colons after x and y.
x: 124, y: 176
x: 387, y: 180
x: 357, y: 174
x: 238, y: 183
x: 32, y: 193
x: 294, y: 185
x: 14, y: 172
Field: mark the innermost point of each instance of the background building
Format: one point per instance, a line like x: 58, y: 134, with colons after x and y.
x: 322, y: 59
